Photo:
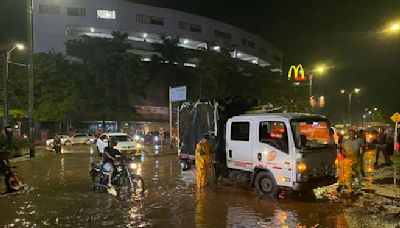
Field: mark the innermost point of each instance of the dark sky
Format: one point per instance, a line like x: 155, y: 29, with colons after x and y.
x: 345, y: 34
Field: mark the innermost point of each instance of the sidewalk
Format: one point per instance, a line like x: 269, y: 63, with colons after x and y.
x: 40, y: 152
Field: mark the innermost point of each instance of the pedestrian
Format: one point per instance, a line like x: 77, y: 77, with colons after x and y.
x: 381, y: 146
x: 390, y: 146
x: 203, y: 160
x: 351, y: 156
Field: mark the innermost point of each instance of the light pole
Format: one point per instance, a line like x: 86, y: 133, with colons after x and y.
x: 350, y: 94
x: 363, y: 120
x: 320, y: 69
x: 5, y: 80
x: 29, y: 15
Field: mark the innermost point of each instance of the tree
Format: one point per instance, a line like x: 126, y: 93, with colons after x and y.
x: 111, y: 73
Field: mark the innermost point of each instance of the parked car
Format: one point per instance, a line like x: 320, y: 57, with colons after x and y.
x: 50, y: 142
x: 126, y: 145
x: 80, y: 138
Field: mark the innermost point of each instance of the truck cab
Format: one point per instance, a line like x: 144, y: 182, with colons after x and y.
x: 280, y: 150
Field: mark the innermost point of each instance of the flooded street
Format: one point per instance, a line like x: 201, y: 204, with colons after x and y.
x: 58, y: 194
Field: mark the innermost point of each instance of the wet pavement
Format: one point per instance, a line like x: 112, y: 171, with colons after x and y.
x: 58, y: 195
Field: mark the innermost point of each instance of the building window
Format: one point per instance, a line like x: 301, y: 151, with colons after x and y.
x: 145, y: 19
x: 248, y: 43
x: 49, y: 9
x: 189, y: 27
x: 222, y: 35
x: 80, y: 12
x: 240, y: 131
x: 106, y: 14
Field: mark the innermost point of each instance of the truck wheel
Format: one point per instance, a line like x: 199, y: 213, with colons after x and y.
x: 265, y: 184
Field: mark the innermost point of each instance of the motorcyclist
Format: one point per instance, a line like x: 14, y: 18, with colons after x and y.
x: 110, y: 154
x: 57, y: 143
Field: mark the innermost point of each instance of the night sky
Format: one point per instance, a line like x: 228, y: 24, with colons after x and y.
x: 345, y: 34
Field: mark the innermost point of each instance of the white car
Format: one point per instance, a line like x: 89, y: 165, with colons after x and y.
x: 80, y: 138
x: 50, y: 142
x: 126, y: 145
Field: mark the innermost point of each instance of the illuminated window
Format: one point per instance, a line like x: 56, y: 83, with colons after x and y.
x: 106, y: 14
x: 49, y: 9
x: 189, y: 27
x: 145, y: 19
x: 80, y: 12
x: 222, y: 35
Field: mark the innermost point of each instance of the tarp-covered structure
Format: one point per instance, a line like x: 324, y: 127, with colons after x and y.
x: 201, y: 117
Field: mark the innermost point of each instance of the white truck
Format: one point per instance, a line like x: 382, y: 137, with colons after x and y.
x: 270, y: 151
x: 280, y: 150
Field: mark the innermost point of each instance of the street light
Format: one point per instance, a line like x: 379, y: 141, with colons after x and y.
x: 392, y: 28
x: 319, y: 69
x: 17, y: 46
x: 395, y: 27
x: 350, y: 94
x: 363, y: 119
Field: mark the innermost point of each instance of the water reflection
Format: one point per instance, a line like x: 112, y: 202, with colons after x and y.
x: 171, y: 200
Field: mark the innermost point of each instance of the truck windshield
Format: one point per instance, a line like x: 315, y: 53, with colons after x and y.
x: 315, y: 132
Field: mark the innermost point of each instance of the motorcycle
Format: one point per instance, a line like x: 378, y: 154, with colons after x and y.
x: 124, y: 180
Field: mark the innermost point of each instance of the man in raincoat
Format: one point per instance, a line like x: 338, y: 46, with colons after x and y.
x: 351, y: 149
x: 203, y: 160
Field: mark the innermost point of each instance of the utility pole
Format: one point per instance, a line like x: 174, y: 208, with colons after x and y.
x: 349, y: 108
x: 30, y: 76
x: 5, y: 91
x: 310, y: 92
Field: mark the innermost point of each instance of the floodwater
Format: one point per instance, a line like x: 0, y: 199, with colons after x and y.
x: 58, y: 195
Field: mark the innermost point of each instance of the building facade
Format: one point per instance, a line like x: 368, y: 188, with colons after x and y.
x: 56, y: 21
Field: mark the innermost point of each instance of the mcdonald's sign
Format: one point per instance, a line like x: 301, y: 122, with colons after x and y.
x: 298, y: 73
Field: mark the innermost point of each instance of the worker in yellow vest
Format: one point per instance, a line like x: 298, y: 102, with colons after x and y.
x: 203, y: 161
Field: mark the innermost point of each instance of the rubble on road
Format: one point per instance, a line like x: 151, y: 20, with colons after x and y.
x: 376, y: 204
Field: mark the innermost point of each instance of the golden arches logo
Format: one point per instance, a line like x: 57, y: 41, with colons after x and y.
x: 298, y: 73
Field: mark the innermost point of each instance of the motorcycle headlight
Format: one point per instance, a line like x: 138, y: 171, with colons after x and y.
x: 133, y: 166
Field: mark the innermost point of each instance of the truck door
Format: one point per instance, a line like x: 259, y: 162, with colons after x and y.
x: 271, y: 151
x: 238, y: 145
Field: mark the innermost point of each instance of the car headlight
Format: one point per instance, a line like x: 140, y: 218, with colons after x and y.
x: 133, y: 166
x: 138, y: 146
x: 156, y: 138
x: 137, y: 137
